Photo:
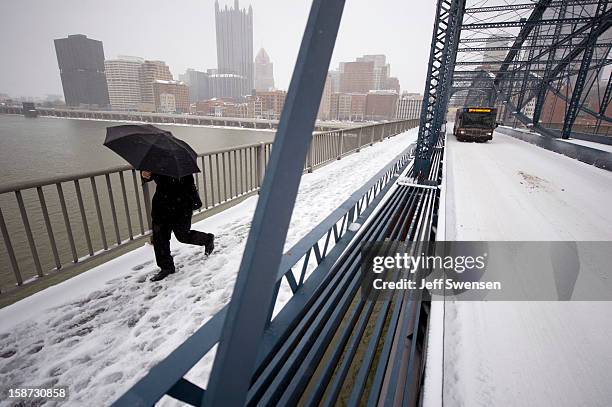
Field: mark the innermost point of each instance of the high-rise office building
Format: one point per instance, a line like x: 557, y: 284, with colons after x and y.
x: 81, y: 64
x: 382, y: 73
x: 357, y: 77
x: 234, y: 29
x: 198, y: 83
x: 334, y: 76
x: 226, y: 86
x: 381, y: 69
x: 151, y: 71
x: 391, y: 83
x: 380, y: 104
x: 123, y: 79
x: 264, y: 71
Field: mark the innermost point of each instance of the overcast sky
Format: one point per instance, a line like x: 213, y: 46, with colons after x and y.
x: 182, y: 33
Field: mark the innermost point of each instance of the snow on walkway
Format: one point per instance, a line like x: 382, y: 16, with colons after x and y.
x: 99, y: 332
x: 526, y: 353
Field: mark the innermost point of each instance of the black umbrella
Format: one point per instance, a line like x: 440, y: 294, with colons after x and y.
x: 148, y: 148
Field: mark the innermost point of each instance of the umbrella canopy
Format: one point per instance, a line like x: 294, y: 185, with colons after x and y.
x: 148, y: 148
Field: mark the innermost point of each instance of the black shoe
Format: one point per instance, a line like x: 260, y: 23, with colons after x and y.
x: 161, y: 275
x: 210, y: 246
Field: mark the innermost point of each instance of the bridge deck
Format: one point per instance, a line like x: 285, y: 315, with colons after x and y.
x: 528, y: 353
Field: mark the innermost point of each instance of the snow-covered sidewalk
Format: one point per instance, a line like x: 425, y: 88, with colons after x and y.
x: 99, y: 332
x: 526, y: 353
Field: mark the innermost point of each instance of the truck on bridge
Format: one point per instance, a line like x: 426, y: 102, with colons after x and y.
x: 475, y: 123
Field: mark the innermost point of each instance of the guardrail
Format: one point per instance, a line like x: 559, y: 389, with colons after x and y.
x: 58, y: 222
x: 586, y: 154
x: 603, y: 129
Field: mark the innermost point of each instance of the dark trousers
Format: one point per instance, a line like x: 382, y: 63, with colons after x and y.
x: 183, y: 233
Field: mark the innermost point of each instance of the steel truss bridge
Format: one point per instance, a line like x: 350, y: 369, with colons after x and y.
x: 548, y: 68
x: 536, y: 61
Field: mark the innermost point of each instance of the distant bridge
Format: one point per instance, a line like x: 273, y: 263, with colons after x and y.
x: 169, y: 118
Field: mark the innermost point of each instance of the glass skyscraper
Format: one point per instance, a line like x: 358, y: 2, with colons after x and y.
x: 235, y: 43
x: 81, y: 63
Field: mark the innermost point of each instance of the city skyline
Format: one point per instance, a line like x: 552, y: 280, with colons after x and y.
x: 35, y: 73
x: 367, y: 92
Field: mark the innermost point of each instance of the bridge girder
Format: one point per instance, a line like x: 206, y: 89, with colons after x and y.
x: 442, y: 56
x: 587, y: 56
x: 520, y: 6
x: 559, y: 50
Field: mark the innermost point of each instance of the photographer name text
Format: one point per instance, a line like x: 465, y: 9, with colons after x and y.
x: 437, y: 284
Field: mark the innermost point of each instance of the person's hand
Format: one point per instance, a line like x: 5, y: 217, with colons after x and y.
x: 146, y: 174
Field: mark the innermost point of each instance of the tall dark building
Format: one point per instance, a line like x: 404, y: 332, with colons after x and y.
x: 235, y: 43
x: 81, y: 64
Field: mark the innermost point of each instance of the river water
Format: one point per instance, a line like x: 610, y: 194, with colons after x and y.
x: 33, y: 149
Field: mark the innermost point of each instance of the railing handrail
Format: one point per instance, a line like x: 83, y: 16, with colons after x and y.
x: 22, y: 185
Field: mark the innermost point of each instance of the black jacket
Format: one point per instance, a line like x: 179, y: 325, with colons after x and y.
x: 173, y: 199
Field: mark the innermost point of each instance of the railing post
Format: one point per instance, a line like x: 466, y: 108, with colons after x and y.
x: 43, y: 206
x: 359, y: 139
x: 28, y: 230
x: 94, y: 189
x: 372, y: 135
x: 261, y: 164
x: 60, y: 194
x: 341, y: 145
x: 9, y: 249
x: 309, y: 155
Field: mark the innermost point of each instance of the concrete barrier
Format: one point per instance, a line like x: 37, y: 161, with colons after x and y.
x: 598, y: 158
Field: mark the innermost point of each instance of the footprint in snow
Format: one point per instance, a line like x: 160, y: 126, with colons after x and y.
x: 7, y: 353
x: 142, y: 265
x: 112, y: 378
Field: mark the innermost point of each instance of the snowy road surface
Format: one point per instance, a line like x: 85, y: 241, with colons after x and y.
x: 99, y: 332
x: 526, y: 353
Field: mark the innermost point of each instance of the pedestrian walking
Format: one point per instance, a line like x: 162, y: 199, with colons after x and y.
x: 171, y: 163
x: 172, y: 207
